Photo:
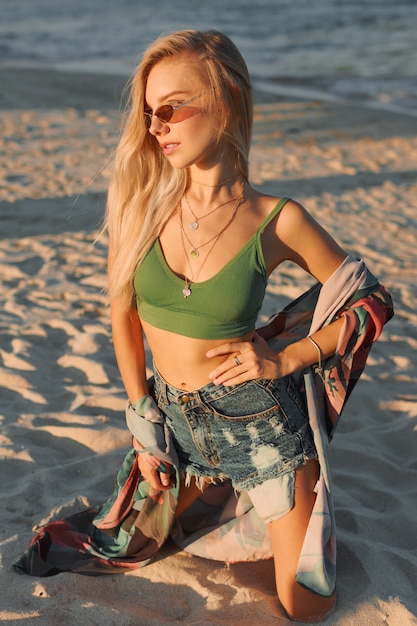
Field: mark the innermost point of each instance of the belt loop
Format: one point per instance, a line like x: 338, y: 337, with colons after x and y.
x: 163, y: 393
x: 162, y: 387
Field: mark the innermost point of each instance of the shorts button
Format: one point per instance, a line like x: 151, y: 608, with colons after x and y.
x: 185, y: 398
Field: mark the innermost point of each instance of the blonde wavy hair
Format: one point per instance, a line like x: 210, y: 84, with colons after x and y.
x: 145, y: 189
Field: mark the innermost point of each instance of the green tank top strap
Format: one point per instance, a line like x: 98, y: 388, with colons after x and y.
x: 272, y: 214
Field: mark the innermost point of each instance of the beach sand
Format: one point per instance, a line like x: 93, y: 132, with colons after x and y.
x: 63, y: 432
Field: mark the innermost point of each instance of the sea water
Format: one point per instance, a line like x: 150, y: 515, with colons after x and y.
x: 363, y: 50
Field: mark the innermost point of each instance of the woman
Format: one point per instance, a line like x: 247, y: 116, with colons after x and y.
x: 182, y: 210
x: 191, y: 245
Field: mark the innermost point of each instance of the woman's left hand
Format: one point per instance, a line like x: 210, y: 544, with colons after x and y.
x: 247, y: 360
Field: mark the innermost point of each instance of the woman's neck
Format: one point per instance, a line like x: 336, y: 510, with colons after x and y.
x: 213, y: 185
x: 204, y: 194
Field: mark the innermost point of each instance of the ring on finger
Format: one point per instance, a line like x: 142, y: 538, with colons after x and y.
x: 236, y: 360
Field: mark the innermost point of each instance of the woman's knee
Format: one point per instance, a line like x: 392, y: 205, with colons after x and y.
x: 302, y: 605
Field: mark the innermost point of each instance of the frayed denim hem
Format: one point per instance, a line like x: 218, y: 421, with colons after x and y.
x: 201, y: 481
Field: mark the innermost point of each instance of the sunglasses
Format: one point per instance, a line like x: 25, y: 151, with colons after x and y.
x: 166, y: 113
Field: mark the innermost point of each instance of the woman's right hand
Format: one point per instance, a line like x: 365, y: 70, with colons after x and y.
x: 150, y: 468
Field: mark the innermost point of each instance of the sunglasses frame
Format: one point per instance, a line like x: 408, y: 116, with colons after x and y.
x: 166, y: 109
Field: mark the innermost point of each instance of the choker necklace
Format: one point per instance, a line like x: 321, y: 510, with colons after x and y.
x: 186, y: 292
x: 196, y: 221
x: 222, y: 182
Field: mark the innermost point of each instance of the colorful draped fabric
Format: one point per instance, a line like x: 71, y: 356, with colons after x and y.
x: 127, y: 531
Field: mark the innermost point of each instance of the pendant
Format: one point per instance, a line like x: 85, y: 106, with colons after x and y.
x: 194, y: 225
x: 186, y: 292
x: 194, y: 253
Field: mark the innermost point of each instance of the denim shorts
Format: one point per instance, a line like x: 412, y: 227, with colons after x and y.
x: 247, y: 433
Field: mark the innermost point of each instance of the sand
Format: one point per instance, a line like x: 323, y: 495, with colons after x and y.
x: 63, y: 433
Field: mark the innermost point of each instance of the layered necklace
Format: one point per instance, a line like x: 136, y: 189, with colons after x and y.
x: 194, y: 250
x: 195, y: 223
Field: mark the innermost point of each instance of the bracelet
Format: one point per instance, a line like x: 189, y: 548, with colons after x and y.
x: 319, y: 369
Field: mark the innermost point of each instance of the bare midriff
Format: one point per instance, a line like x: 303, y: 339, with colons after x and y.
x: 182, y: 361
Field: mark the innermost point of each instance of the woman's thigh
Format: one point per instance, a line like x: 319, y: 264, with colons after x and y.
x: 287, y: 537
x: 190, y: 491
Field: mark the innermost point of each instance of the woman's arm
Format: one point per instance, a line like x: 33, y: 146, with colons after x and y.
x: 130, y: 351
x: 128, y: 344
x: 299, y: 238
x: 256, y: 359
x: 130, y: 355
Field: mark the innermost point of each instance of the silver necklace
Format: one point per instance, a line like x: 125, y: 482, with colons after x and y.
x: 186, y: 292
x: 195, y: 223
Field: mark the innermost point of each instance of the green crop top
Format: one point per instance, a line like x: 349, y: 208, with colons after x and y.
x: 222, y: 307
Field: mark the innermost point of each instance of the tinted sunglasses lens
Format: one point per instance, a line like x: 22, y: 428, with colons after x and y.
x: 164, y: 113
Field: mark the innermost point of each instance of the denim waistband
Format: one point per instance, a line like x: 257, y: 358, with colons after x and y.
x: 209, y: 392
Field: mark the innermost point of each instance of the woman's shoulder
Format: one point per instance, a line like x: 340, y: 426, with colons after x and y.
x: 270, y: 206
x: 281, y: 212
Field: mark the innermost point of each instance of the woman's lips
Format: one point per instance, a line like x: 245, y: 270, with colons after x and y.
x: 169, y: 148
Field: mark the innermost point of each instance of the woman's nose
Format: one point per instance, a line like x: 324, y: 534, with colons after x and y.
x: 157, y: 127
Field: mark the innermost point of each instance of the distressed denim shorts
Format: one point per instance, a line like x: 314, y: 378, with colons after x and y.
x: 248, y: 433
